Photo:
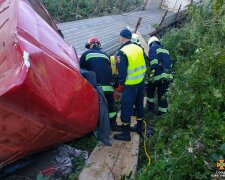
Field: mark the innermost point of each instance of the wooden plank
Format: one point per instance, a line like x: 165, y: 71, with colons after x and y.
x: 111, y: 162
x: 128, y: 158
x: 143, y: 42
x: 145, y: 4
x: 101, y: 162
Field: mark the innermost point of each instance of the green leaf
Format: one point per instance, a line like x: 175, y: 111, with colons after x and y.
x: 222, y: 148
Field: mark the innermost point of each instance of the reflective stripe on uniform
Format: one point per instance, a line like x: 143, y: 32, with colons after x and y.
x: 154, y: 61
x: 107, y: 88
x: 160, y: 50
x: 139, y: 119
x: 136, y: 69
x: 164, y: 110
x: 136, y: 77
x: 95, y: 55
x: 151, y: 100
x: 163, y: 76
x: 123, y: 123
x: 112, y: 114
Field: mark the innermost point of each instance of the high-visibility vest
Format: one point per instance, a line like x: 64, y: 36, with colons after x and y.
x: 136, y: 64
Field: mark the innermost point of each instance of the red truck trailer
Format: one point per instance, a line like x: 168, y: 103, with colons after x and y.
x: 44, y: 100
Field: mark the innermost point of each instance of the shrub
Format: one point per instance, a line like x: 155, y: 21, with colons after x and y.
x: 69, y: 10
x: 190, y: 139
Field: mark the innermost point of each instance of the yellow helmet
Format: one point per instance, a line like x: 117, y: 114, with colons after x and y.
x: 153, y: 39
x: 135, y: 39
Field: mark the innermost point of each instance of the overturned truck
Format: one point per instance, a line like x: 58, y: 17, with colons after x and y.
x: 44, y: 100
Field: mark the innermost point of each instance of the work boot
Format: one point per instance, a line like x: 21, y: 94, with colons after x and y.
x: 138, y: 128
x: 125, y: 135
x: 114, y: 126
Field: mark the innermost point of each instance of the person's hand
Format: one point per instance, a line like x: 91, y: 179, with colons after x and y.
x: 119, y: 89
x: 118, y: 92
x: 116, y: 96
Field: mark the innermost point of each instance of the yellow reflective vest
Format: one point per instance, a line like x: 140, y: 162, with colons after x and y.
x: 136, y: 64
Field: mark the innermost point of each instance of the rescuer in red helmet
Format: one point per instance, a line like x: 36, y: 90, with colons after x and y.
x: 98, y: 61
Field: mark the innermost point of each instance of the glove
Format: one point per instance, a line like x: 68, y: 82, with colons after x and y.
x: 119, y: 89
x: 116, y: 96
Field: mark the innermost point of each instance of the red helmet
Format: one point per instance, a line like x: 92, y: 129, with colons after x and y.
x: 94, y: 41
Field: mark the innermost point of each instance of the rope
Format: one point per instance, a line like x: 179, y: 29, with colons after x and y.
x: 145, y: 148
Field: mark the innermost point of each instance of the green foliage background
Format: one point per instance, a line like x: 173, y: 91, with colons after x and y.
x: 69, y: 10
x: 190, y: 140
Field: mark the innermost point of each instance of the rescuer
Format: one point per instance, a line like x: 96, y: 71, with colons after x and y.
x: 131, y: 71
x: 97, y: 61
x: 160, y: 75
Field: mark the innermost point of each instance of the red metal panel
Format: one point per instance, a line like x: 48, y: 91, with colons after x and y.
x: 43, y: 98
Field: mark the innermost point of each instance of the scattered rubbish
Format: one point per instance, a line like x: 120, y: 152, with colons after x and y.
x: 55, y: 164
x: 64, y: 158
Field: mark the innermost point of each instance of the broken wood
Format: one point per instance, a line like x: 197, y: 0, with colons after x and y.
x: 162, y: 19
x: 178, y: 13
x: 161, y: 3
x: 138, y: 24
x: 145, y: 4
x: 143, y: 42
x: 169, y: 20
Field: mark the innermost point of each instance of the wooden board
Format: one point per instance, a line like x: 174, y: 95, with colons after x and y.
x: 143, y: 42
x: 112, y: 162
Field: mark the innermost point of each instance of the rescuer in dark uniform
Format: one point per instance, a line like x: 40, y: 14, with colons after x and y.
x: 160, y: 76
x: 97, y: 61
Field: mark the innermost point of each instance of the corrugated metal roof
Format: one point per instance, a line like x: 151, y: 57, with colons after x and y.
x: 107, y: 28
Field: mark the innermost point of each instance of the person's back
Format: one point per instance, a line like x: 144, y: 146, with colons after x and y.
x: 158, y: 52
x: 160, y: 76
x: 97, y: 61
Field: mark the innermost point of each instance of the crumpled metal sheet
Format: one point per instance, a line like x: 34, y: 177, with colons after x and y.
x: 43, y: 98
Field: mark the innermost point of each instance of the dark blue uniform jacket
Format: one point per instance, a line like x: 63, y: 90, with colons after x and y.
x: 97, y: 61
x: 159, y: 59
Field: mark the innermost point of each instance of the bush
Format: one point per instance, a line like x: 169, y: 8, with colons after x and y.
x: 69, y: 10
x: 190, y: 139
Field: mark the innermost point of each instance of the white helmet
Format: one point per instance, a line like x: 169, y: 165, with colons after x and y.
x: 135, y: 39
x: 153, y: 39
